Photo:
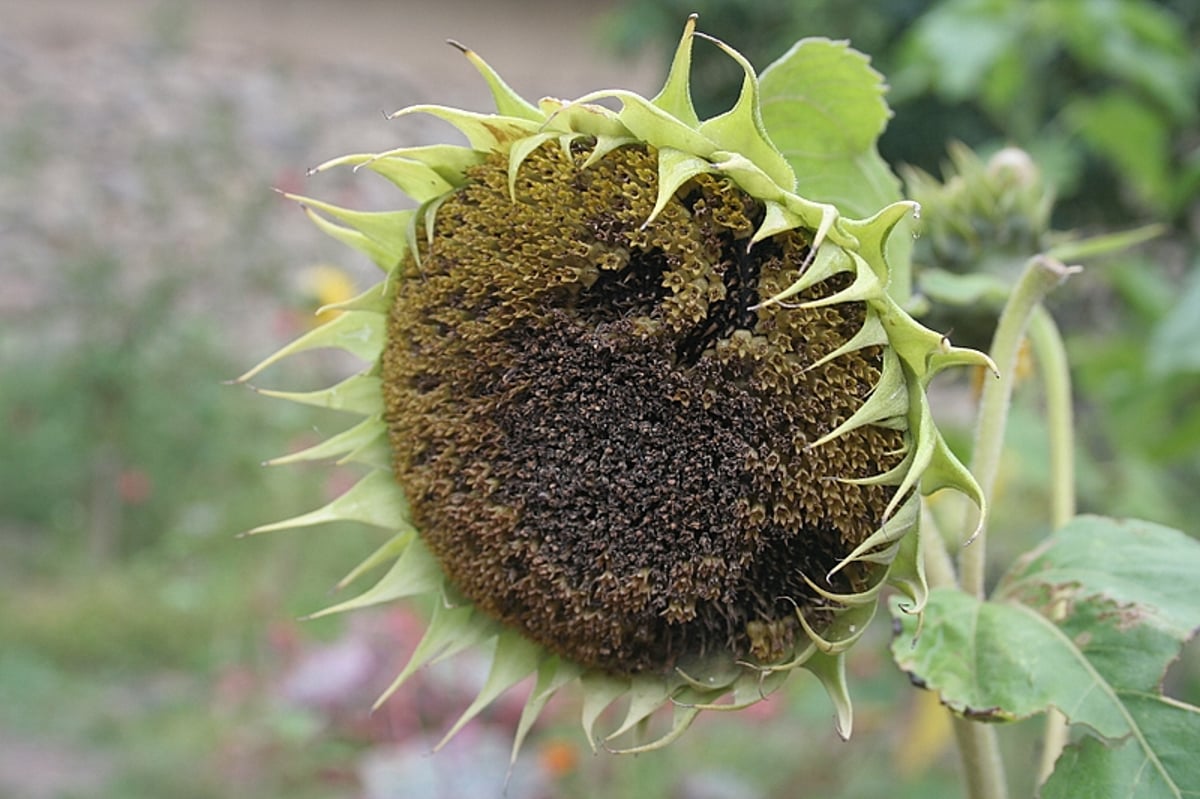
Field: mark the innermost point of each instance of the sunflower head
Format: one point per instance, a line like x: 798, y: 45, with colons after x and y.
x: 638, y: 414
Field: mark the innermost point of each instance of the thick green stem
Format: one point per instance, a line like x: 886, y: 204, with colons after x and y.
x: 1051, y: 357
x: 1041, y: 275
x: 977, y: 743
x: 982, y: 764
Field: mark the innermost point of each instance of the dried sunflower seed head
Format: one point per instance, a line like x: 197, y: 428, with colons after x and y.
x: 637, y: 412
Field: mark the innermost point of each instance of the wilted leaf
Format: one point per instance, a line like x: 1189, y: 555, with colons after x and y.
x: 1086, y: 623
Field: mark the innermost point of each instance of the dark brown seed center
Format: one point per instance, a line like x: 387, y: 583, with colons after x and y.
x: 600, y: 440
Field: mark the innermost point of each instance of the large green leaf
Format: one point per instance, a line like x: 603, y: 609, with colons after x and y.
x: 823, y: 107
x: 1087, y: 623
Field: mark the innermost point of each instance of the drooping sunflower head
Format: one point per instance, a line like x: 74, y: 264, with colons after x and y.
x: 637, y: 412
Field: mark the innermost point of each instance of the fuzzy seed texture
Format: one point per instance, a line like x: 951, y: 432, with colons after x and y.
x: 601, y: 440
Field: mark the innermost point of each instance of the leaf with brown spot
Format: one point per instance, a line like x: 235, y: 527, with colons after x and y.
x: 1086, y: 623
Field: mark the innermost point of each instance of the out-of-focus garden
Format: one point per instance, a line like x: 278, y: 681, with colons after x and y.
x: 144, y: 261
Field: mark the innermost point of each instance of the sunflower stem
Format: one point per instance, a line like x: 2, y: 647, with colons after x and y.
x: 978, y: 746
x: 980, y: 752
x: 977, y: 743
x: 1041, y: 275
x: 1051, y: 357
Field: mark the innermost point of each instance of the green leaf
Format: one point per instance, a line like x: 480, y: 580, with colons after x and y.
x: 1136, y: 44
x: 1090, y: 768
x: 823, y: 107
x: 1087, y: 623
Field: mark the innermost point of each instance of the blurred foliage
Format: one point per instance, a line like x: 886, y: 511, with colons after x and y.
x: 120, y: 428
x: 1101, y: 92
x: 1138, y: 387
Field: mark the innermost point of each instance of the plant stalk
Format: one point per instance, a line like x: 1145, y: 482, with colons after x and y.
x: 980, y: 752
x: 1041, y: 275
x: 978, y: 745
x: 1051, y: 357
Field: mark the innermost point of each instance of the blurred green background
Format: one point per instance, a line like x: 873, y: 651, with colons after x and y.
x: 144, y: 260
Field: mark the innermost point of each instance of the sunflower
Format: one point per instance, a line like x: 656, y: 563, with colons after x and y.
x: 641, y: 418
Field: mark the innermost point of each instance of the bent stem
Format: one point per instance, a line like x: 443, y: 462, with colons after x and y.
x: 1041, y: 275
x: 977, y: 743
x: 1051, y: 358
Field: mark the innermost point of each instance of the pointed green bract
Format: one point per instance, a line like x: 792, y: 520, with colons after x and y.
x: 831, y: 671
x: 381, y: 227
x: 553, y: 675
x: 514, y: 659
x: 683, y: 718
x: 414, y: 573
x: 451, y: 629
x: 383, y: 257
x: 675, y: 167
x: 484, y: 132
x: 346, y: 443
x: 375, y: 500
x: 415, y: 178
x: 359, y: 333
x: 741, y: 129
x: 450, y: 161
x: 599, y: 691
x: 360, y: 394
x: 386, y: 553
x: 508, y: 102
x: 645, y: 697
x: 676, y: 95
